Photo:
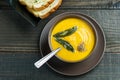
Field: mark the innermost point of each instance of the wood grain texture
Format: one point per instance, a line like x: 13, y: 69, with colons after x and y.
x: 4, y: 5
x: 19, y: 44
x: 90, y: 4
x: 16, y: 34
x: 81, y: 4
x: 20, y: 67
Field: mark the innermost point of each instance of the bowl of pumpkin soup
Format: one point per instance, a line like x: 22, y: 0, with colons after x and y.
x: 75, y: 35
x: 81, y: 39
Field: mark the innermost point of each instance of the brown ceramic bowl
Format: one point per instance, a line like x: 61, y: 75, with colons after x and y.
x: 73, y: 69
x: 78, y: 17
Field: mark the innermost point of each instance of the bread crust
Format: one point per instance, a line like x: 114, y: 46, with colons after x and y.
x: 38, y: 13
x: 52, y: 10
x: 43, y: 6
x: 31, y: 11
x: 22, y: 2
x: 34, y: 6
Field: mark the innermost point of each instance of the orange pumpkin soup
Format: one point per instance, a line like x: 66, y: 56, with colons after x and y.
x: 82, y: 40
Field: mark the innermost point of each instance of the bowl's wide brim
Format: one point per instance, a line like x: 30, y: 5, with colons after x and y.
x: 73, y: 69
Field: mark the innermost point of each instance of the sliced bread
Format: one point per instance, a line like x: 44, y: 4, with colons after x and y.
x: 47, y: 11
x: 42, y: 4
x: 36, y: 4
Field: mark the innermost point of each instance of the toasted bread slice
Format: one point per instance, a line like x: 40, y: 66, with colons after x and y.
x: 36, y: 4
x: 42, y: 4
x: 47, y: 11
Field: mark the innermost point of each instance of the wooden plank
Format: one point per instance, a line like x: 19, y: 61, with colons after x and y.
x: 89, y: 4
x: 16, y: 34
x: 20, y: 67
x: 4, y: 5
x: 75, y: 4
x: 19, y: 45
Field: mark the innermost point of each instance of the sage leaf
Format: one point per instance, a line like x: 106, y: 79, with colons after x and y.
x: 65, y: 44
x: 66, y: 32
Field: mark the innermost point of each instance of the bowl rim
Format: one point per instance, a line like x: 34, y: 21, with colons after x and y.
x: 96, y: 57
x: 73, y: 15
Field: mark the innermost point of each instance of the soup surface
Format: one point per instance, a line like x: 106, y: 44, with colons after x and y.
x: 82, y: 40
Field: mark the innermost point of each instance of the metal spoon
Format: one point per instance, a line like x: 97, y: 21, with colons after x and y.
x: 43, y: 60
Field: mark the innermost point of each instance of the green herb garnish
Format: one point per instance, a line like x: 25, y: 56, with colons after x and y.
x: 36, y: 1
x: 66, y: 32
x: 65, y: 44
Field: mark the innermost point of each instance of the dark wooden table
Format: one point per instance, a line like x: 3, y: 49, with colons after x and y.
x: 19, y: 42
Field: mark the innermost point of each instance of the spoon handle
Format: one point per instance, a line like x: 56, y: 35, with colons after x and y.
x: 43, y: 60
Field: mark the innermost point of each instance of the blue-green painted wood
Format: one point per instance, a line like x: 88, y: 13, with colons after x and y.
x: 19, y: 45
x: 20, y: 67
